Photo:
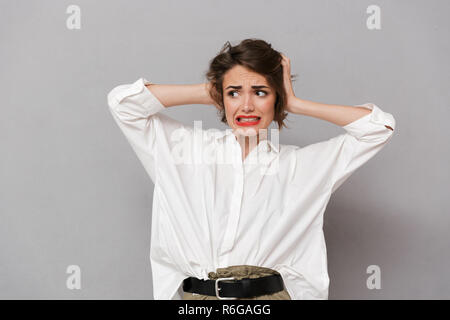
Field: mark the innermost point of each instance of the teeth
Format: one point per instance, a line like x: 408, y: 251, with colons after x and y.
x: 248, y: 119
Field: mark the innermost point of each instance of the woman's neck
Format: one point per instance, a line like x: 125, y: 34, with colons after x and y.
x: 247, y: 144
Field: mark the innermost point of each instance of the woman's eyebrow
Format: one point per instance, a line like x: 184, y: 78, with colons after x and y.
x: 240, y: 87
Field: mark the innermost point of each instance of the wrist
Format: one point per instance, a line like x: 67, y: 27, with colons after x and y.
x: 204, y: 93
x: 296, y: 105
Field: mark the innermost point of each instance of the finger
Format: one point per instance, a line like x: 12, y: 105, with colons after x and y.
x: 286, y: 64
x: 287, y: 70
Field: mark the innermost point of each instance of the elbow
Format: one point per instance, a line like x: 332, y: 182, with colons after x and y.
x: 111, y: 98
x: 390, y: 122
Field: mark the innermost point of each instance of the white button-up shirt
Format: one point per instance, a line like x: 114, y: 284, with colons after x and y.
x: 217, y: 210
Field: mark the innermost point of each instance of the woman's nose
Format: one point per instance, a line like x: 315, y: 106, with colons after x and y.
x: 248, y: 105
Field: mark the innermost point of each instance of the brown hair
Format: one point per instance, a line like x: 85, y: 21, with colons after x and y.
x: 258, y: 56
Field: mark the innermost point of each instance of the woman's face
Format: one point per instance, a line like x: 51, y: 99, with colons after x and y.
x: 249, y: 101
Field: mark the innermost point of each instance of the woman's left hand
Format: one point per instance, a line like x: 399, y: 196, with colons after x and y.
x: 290, y: 95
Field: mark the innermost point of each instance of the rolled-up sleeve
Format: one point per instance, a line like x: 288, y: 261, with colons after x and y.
x: 333, y: 161
x: 136, y: 110
x: 364, y: 138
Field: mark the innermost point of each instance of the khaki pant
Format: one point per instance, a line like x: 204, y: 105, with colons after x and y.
x: 239, y: 272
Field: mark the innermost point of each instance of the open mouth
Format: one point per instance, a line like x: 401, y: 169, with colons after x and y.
x: 247, y: 120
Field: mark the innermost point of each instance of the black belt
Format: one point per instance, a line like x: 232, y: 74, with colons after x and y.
x: 230, y: 288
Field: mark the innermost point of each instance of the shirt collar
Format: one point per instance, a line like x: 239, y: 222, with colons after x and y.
x: 218, y: 135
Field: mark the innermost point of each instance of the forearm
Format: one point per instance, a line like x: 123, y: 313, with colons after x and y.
x: 338, y: 114
x: 176, y: 94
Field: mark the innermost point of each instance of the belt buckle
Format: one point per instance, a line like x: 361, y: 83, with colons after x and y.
x: 217, y: 288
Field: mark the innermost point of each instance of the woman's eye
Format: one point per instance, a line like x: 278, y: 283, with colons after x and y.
x: 230, y: 93
x: 265, y: 93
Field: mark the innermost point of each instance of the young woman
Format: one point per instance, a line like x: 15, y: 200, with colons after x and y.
x: 242, y: 228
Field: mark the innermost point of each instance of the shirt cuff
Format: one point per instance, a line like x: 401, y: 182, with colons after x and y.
x: 139, y: 94
x: 372, y: 124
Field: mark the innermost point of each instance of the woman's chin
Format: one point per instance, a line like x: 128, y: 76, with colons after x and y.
x: 247, y: 131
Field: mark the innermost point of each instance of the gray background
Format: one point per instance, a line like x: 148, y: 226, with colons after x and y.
x: 74, y: 193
